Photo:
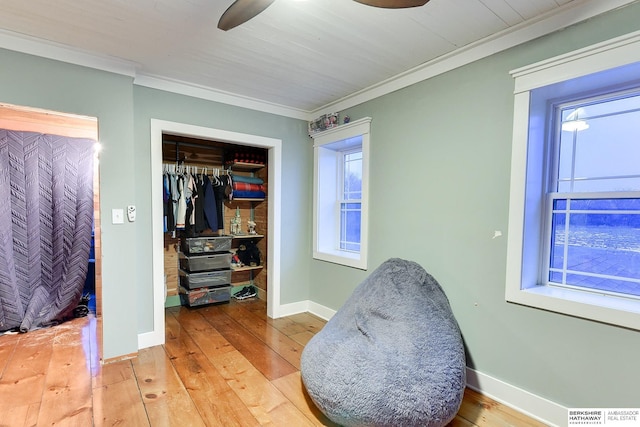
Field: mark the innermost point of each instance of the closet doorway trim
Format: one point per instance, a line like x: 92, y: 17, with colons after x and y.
x: 274, y: 147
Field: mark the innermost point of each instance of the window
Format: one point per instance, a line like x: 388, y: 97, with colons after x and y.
x: 593, y: 206
x: 340, y: 194
x: 574, y: 214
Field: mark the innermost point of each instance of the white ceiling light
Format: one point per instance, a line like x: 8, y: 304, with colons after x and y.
x: 573, y: 123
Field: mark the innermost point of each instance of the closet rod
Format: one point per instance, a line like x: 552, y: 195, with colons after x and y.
x: 201, y: 167
x: 192, y: 145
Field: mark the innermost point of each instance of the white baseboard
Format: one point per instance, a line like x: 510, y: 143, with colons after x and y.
x: 292, y: 308
x: 150, y: 339
x: 532, y: 405
x: 321, y: 311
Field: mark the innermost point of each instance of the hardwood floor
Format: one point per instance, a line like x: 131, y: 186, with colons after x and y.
x: 225, y: 365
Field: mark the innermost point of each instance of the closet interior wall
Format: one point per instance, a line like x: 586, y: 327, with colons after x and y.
x: 214, y: 155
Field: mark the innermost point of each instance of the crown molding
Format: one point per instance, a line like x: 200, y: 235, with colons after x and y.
x: 56, y: 51
x: 59, y: 52
x: 210, y: 94
x: 569, y: 14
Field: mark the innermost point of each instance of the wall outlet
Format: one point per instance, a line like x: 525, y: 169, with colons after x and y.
x: 131, y: 213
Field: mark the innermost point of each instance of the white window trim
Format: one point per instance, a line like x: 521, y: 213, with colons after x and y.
x: 522, y: 273
x: 335, y: 255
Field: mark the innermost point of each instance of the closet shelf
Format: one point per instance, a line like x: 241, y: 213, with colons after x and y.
x: 245, y: 166
x: 247, y: 236
x: 246, y: 268
x: 242, y: 199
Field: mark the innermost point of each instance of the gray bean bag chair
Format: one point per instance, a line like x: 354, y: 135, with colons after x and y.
x: 391, y: 356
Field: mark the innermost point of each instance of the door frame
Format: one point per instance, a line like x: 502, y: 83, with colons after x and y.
x: 274, y: 147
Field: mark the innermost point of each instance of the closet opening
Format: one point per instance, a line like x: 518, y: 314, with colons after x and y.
x: 237, y: 179
x: 156, y: 336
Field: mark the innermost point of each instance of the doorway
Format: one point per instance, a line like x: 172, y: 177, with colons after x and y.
x: 27, y: 119
x: 274, y: 149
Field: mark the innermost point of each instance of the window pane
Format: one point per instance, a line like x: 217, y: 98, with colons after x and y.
x: 599, y: 146
x: 601, y: 243
x: 565, y: 162
x: 350, y: 214
x: 610, y: 147
x: 604, y: 284
x: 558, y: 240
x: 353, y: 175
x: 555, y: 277
x: 560, y: 204
x: 602, y: 204
x: 590, y: 258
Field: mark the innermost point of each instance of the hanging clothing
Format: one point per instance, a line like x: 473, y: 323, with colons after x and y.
x: 194, y: 203
x: 219, y: 189
x: 173, y: 185
x: 209, y: 206
x: 192, y: 195
x: 169, y: 210
x: 181, y: 209
x: 166, y: 196
x: 200, y: 219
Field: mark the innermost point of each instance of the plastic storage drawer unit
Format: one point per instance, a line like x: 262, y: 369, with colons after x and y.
x: 206, y: 245
x: 205, y: 296
x: 205, y: 262
x: 204, y: 279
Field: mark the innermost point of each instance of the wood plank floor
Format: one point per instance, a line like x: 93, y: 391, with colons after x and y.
x: 225, y: 365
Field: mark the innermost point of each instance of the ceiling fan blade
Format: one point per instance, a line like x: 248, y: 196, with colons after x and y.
x: 394, y: 4
x: 241, y: 11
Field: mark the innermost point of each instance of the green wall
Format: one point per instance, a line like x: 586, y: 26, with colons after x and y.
x: 440, y: 170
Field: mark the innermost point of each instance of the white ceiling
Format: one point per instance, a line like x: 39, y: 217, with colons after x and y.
x: 296, y: 58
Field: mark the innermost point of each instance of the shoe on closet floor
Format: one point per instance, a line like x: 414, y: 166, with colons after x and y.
x: 246, y: 292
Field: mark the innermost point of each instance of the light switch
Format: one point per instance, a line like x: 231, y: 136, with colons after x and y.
x: 117, y: 216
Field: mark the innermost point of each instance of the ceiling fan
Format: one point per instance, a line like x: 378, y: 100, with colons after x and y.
x: 242, y: 10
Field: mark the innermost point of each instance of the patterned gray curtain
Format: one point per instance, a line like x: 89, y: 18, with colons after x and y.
x: 46, y: 215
